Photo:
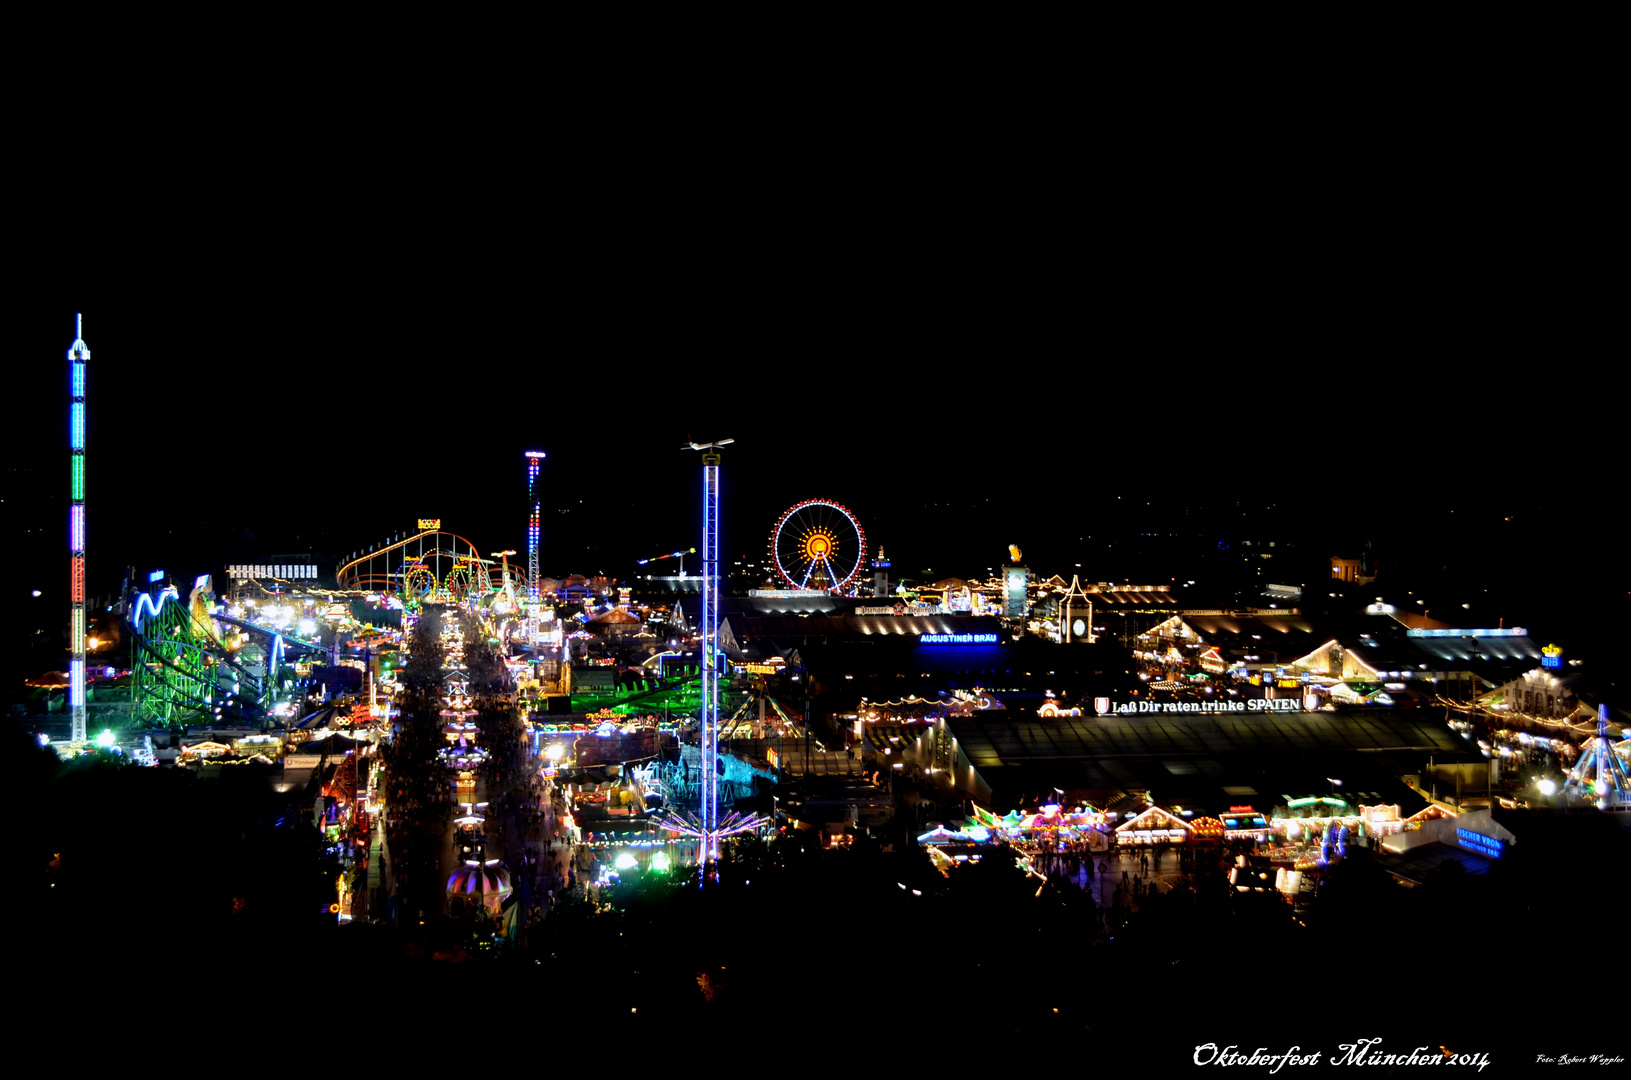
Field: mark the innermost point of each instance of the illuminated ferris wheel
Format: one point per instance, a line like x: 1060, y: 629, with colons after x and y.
x: 818, y: 544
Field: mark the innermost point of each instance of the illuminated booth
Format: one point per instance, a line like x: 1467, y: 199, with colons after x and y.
x: 1155, y: 826
x: 1246, y: 823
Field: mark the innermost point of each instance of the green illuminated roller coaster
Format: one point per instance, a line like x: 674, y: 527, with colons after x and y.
x: 181, y: 669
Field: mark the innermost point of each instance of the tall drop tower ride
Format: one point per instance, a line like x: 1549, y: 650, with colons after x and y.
x: 534, y: 527
x: 709, y: 645
x: 78, y: 353
x: 707, y: 826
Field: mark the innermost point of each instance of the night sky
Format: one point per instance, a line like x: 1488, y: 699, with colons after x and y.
x: 1128, y: 404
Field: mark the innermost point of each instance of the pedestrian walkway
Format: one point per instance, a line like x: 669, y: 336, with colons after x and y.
x: 1114, y: 883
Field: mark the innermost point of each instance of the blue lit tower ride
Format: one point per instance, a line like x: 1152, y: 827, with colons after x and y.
x: 710, y: 648
x: 706, y: 826
x: 77, y: 355
x: 708, y: 817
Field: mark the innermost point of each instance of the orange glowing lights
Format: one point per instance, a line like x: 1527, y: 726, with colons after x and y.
x: 819, y: 545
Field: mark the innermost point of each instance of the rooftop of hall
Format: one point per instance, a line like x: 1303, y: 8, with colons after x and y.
x: 1381, y: 643
x: 1212, y: 760
x: 1417, y: 865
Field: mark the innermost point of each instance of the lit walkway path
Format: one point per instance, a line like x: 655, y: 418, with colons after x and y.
x: 1116, y: 883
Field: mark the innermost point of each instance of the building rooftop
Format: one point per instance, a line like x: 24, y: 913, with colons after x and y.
x: 1213, y: 760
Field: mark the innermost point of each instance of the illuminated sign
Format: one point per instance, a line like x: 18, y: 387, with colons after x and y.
x: 1511, y: 631
x: 1484, y: 845
x: 282, y: 570
x: 957, y: 639
x: 1551, y: 657
x: 1252, y: 705
x: 157, y: 575
x: 430, y: 523
x: 914, y: 608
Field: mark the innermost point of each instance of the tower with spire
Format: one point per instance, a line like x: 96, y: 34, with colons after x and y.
x: 1075, y: 614
x: 78, y: 353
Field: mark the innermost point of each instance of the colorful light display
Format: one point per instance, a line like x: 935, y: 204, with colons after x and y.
x: 1599, y: 777
x: 705, y: 825
x: 818, y: 544
x: 709, y: 816
x: 78, y: 353
x: 534, y: 531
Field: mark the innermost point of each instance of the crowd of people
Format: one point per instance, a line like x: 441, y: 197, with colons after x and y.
x: 418, y: 795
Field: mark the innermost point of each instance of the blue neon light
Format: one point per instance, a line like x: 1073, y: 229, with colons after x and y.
x: 1555, y: 661
x: 76, y: 684
x: 1509, y: 631
x: 145, y: 603
x: 76, y: 425
x: 76, y: 528
x: 1483, y: 845
x: 77, y: 382
x: 957, y: 639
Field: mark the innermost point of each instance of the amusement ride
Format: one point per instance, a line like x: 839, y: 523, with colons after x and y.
x: 818, y: 544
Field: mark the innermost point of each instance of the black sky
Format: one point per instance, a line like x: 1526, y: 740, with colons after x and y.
x: 967, y: 360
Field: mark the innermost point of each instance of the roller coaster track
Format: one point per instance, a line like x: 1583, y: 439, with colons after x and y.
x: 345, y: 578
x: 349, y: 576
x: 180, y: 667
x: 270, y: 634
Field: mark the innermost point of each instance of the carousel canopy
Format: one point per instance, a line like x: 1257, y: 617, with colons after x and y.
x: 483, y: 880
